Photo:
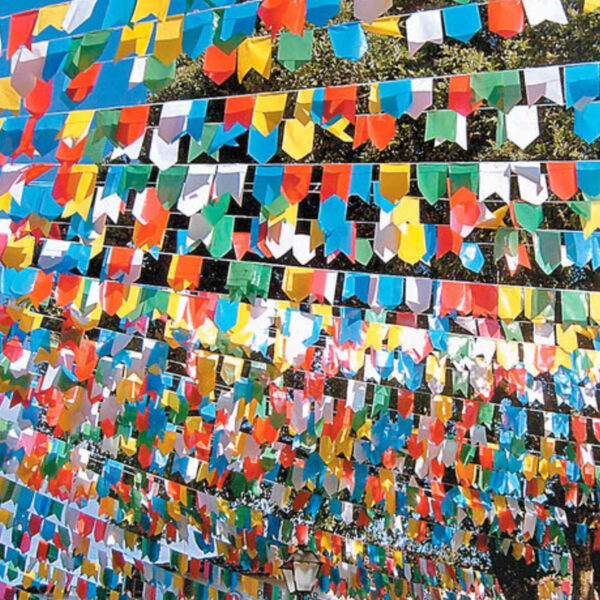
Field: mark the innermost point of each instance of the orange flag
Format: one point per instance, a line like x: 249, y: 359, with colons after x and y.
x: 277, y: 14
x: 379, y: 129
x: 506, y: 17
x: 461, y: 97
x: 218, y: 65
x: 563, y: 179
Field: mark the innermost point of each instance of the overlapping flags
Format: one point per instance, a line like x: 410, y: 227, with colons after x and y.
x: 189, y: 382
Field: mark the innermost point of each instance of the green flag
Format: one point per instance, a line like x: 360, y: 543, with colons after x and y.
x: 158, y: 76
x: 464, y: 175
x: 574, y: 306
x: 203, y: 147
x: 528, y: 216
x: 136, y: 177
x: 431, y: 179
x: 84, y: 52
x: 170, y: 185
x: 547, y: 246
x: 222, y: 237
x: 501, y: 89
x: 441, y: 125
x: 364, y: 251
x: 295, y: 50
x: 542, y: 304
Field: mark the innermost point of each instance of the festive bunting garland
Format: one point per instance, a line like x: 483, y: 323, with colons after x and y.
x: 70, y: 137
x: 198, y: 437
x: 191, y: 190
x: 230, y: 41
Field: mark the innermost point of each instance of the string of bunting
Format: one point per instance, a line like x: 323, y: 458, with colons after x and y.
x: 228, y: 43
x: 114, y: 133
x: 184, y: 401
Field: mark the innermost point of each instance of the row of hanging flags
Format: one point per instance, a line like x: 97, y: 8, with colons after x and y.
x: 140, y: 421
x: 283, y: 122
x: 226, y: 37
x: 63, y: 218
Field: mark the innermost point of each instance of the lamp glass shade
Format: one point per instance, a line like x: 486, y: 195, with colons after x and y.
x: 301, y: 572
x: 306, y: 576
x: 288, y: 575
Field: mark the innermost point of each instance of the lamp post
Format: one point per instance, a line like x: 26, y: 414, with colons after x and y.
x: 301, y: 572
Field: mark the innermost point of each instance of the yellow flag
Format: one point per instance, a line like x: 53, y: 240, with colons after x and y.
x: 19, y: 253
x: 594, y: 221
x: 563, y: 357
x: 9, y: 97
x: 167, y: 45
x: 207, y: 333
x: 76, y: 127
x: 394, y: 337
x: 86, y: 187
x: 174, y: 305
x: 130, y: 303
x: 304, y: 100
x: 547, y: 447
x: 206, y: 368
x: 412, y: 243
x: 510, y: 302
x: 146, y: 8
x: 394, y: 181
x: 30, y: 321
x: 413, y: 529
x: 407, y: 211
x: 129, y: 446
x: 166, y: 446
x: 376, y: 333
x: 289, y: 215
x: 595, y: 306
x: 324, y: 311
x: 591, y: 5
x: 383, y: 26
x: 297, y: 283
x: 326, y: 449
x: 98, y: 244
x: 435, y: 369
x: 298, y: 139
x: 134, y: 40
x: 44, y: 571
x: 51, y: 16
x: 507, y: 353
x: 317, y: 237
x: 530, y: 466
x: 231, y: 369
x: 518, y: 550
x: 108, y: 506
x: 5, y: 199
x: 268, y: 112
x: 255, y: 53
x: 241, y: 333
x: 250, y: 586
x: 338, y: 128
x: 374, y: 103
x: 566, y: 337
x: 443, y: 404
x: 27, y: 581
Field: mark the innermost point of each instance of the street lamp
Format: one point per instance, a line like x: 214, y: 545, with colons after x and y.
x: 301, y: 572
